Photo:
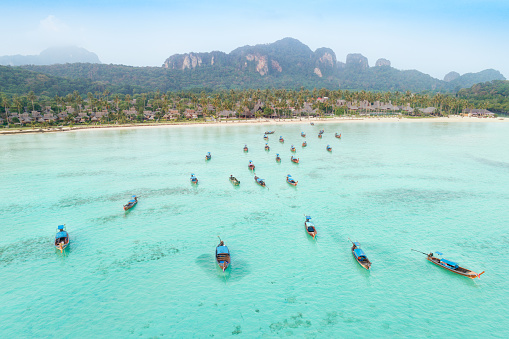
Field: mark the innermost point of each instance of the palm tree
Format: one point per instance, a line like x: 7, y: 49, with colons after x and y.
x: 6, y: 104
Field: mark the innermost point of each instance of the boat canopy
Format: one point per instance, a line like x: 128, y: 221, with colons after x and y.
x: 357, y: 244
x: 60, y: 227
x: 222, y: 250
x: 132, y: 201
x: 311, y: 228
x: 451, y: 263
x: 359, y: 253
x: 62, y: 234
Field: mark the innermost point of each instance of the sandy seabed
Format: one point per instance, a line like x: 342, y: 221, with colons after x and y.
x: 258, y: 121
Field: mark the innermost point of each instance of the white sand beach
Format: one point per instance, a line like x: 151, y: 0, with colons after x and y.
x: 263, y: 121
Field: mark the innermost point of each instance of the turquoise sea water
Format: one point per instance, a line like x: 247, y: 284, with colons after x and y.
x: 151, y: 272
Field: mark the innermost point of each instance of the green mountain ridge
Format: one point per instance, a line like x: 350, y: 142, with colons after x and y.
x: 286, y: 63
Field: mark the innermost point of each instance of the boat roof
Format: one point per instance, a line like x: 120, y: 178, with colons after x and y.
x: 222, y: 249
x: 449, y: 262
x: 132, y: 200
x: 60, y: 227
x: 62, y: 234
x: 359, y: 253
x: 356, y: 243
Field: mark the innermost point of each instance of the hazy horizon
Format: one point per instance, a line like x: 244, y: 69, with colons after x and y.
x: 436, y: 37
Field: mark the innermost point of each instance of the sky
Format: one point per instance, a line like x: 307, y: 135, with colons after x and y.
x: 433, y: 36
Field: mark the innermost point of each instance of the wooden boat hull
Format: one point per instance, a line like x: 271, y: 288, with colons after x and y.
x: 313, y: 233
x: 292, y: 183
x: 295, y: 161
x: 281, y: 140
x: 329, y: 149
x: 62, y: 247
x: 235, y: 182
x: 129, y: 206
x: 320, y: 136
x: 267, y: 148
x: 460, y: 270
x: 338, y: 136
x: 304, y: 145
x: 251, y: 167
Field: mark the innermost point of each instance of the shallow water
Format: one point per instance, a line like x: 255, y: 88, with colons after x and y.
x: 151, y: 272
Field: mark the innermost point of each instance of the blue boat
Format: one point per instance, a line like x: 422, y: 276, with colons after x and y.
x: 131, y: 203
x: 321, y: 131
x: 208, y: 156
x: 359, y: 255
x: 290, y: 180
x: 267, y: 147
x: 452, y: 266
x: 265, y: 137
x: 292, y: 149
x: 194, y: 179
x: 61, y: 238
x: 281, y: 139
x: 310, y: 227
x: 259, y: 181
x: 278, y: 158
x: 222, y: 255
x: 329, y: 148
x: 302, y: 134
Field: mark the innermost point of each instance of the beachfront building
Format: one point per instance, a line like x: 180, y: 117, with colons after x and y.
x: 479, y: 113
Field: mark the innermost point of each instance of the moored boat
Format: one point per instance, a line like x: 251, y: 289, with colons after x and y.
x: 329, y: 148
x: 61, y: 238
x: 278, y: 158
x: 208, y: 156
x: 321, y: 131
x: 302, y: 134
x: 312, y: 123
x: 269, y: 132
x: 234, y: 180
x: 452, y: 266
x: 359, y: 255
x: 259, y: 181
x: 319, y: 136
x: 267, y: 147
x: 294, y: 160
x: 338, y: 135
x: 304, y: 144
x: 131, y: 203
x: 281, y: 139
x: 265, y: 137
x: 292, y: 149
x: 310, y: 226
x: 194, y: 179
x: 290, y: 180
x: 245, y: 148
x: 222, y: 255
x: 251, y: 166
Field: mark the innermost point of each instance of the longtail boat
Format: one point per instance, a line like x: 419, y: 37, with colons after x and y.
x: 251, y: 166
x: 338, y: 135
x: 61, y: 238
x: 310, y: 226
x: 312, y: 123
x: 194, y: 179
x: 222, y: 255
x: 234, y: 180
x: 292, y: 149
x: 245, y: 148
x: 259, y: 181
x: 290, y: 180
x: 451, y: 266
x: 265, y: 137
x: 278, y: 158
x: 269, y: 132
x: 359, y: 255
x: 329, y: 148
x: 267, y: 147
x: 302, y: 134
x: 319, y: 136
x: 208, y: 156
x: 321, y: 131
x: 281, y: 139
x: 294, y: 160
x: 304, y: 144
x: 131, y: 203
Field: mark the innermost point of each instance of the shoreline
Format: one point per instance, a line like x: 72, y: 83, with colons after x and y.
x: 13, y: 131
